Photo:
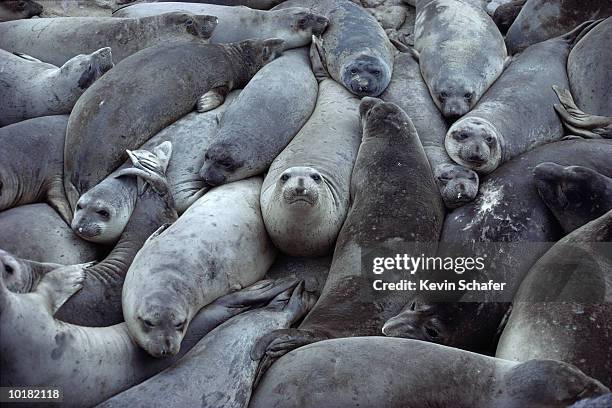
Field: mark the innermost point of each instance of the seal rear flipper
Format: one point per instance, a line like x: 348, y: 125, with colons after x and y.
x: 402, y: 47
x: 57, y: 286
x: 579, y: 122
x: 317, y: 59
x: 257, y: 294
x: 212, y: 99
x: 276, y: 344
x: 56, y: 197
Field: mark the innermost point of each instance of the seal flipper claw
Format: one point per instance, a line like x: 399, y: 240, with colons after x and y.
x: 212, y: 99
x: 57, y: 286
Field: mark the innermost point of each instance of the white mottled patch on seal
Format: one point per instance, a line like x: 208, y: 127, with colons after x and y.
x: 490, y: 197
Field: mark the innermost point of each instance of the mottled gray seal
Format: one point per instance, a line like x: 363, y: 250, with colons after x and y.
x: 356, y: 50
x: 98, y: 303
x: 507, y: 210
x: 108, y: 109
x: 32, y: 162
x: 563, y: 309
x: 461, y: 53
x: 19, y: 9
x: 22, y: 275
x: 575, y: 194
x: 540, y: 20
x: 90, y: 364
x: 305, y: 195
x: 511, y: 120
x: 457, y: 184
x: 589, y: 68
x: 37, y: 232
x: 295, y: 25
x: 181, y: 270
x: 56, y: 40
x: 32, y: 88
x: 218, y: 372
x: 332, y: 374
x: 262, y: 120
x: 390, y: 183
x: 579, y: 123
x: 104, y: 211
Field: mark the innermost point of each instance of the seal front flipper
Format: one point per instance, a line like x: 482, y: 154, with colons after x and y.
x: 317, y: 59
x: 56, y: 198
x: 57, y: 286
x: 256, y: 294
x: 212, y: 99
x: 402, y: 47
x: 579, y: 122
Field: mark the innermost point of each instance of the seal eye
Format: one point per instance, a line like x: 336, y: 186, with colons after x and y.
x: 460, y: 136
x: 468, y: 95
x: 432, y: 332
x: 189, y: 22
x: 489, y: 140
x: 376, y: 73
x: 353, y: 71
x: 148, y: 323
x: 79, y: 207
x: 444, y: 177
x: 302, y: 22
x: 8, y: 269
x: 413, y: 305
x: 103, y: 213
x: 443, y: 96
x: 227, y: 163
x: 316, y: 177
x: 179, y: 326
x: 22, y: 5
x: 285, y: 177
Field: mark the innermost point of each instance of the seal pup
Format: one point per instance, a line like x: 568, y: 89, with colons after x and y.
x: 32, y: 162
x: 19, y: 9
x: 37, y: 232
x: 589, y: 68
x: 56, y: 40
x: 22, y: 275
x: 461, y: 53
x: 563, y: 309
x: 104, y: 211
x: 218, y: 372
x: 355, y: 49
x: 294, y: 25
x: 509, y: 211
x: 331, y: 374
x: 390, y: 184
x: 540, y: 20
x: 579, y: 123
x: 510, y: 120
x: 107, y: 109
x: 32, y: 88
x: 262, y: 120
x: 181, y: 270
x: 457, y: 184
x: 574, y: 194
x: 99, y: 302
x: 91, y: 364
x: 305, y: 194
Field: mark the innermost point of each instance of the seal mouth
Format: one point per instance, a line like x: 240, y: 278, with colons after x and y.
x: 300, y: 200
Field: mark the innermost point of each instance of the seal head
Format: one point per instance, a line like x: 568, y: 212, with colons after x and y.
x: 22, y: 276
x: 575, y: 194
x: 475, y: 143
x: 457, y: 184
x: 454, y: 97
x: 18, y: 9
x: 299, y: 188
x: 84, y: 70
x: 303, y: 24
x: 365, y: 75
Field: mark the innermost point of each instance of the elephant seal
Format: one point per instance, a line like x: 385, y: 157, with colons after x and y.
x: 312, y: 270
x: 36, y: 232
x: 579, y: 123
x: 305, y: 195
x: 295, y: 25
x: 461, y: 53
x: 93, y: 364
x: 563, y: 309
x: 181, y: 270
x: 253, y: 4
x: 104, y: 211
x: 108, y: 109
x: 507, y: 211
x: 331, y: 374
x: 218, y: 372
x: 540, y: 20
x: 575, y: 194
x: 19, y: 9
x: 56, y: 40
x: 589, y: 68
x: 600, y: 402
x: 262, y: 120
x: 22, y: 275
x: 505, y: 14
x: 32, y: 162
x: 32, y: 88
x: 458, y: 185
x: 356, y: 50
x: 98, y: 303
x: 390, y: 182
x: 511, y: 120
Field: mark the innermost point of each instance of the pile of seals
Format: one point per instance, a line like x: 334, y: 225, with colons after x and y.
x: 191, y: 195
